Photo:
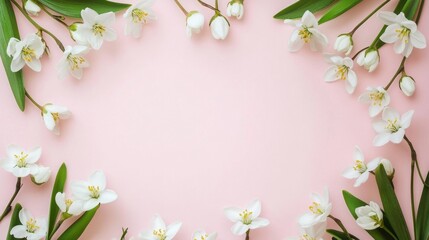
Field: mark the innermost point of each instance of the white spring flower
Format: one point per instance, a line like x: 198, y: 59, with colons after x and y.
x: 26, y: 52
x: 235, y: 8
x: 201, y: 235
x: 344, y: 43
x: 73, y: 61
x: 369, y: 217
x: 52, y: 114
x: 21, y: 162
x: 407, y: 85
x: 319, y: 210
x: 342, y: 70
x: 219, y: 27
x: 41, y: 175
x: 31, y: 228
x: 194, y: 22
x: 137, y: 15
x: 246, y: 219
x: 360, y: 170
x: 160, y: 231
x: 391, y: 127
x: 68, y: 206
x: 377, y: 98
x: 369, y: 59
x: 32, y: 8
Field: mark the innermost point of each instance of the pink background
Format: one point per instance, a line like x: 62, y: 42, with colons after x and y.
x: 185, y: 127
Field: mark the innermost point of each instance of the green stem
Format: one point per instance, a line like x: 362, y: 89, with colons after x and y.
x: 389, y: 232
x: 248, y: 234
x: 413, y: 207
x: 400, y: 70
x: 368, y: 17
x: 33, y: 101
x: 419, y: 14
x: 217, y: 4
x: 207, y: 5
x: 341, y: 225
x: 355, y: 56
x: 55, y: 17
x: 181, y: 7
x: 8, y: 208
x: 124, y: 233
x: 37, y: 26
x: 57, y: 226
x: 414, y: 158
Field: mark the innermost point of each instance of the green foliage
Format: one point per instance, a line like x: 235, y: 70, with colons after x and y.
x: 14, y: 221
x: 72, y: 8
x: 338, y: 9
x: 422, y: 220
x: 79, y: 226
x: 60, y: 181
x: 297, y: 9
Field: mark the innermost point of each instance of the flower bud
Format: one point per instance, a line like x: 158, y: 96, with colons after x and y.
x: 369, y: 59
x: 407, y: 85
x: 41, y: 175
x: 235, y: 8
x: 344, y: 43
x: 194, y: 22
x: 32, y: 8
x: 388, y: 167
x: 75, y: 34
x: 219, y: 26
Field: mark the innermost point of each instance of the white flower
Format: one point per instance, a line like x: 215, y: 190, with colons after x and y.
x: 314, y: 232
x: 402, y: 32
x: 68, y: 206
x: 27, y: 51
x: 194, y: 23
x: 160, y: 231
x: 377, y: 98
x: 246, y: 219
x: 407, y: 85
x: 30, y: 228
x: 41, y: 175
x: 95, y: 28
x: 201, y: 235
x: 219, y: 27
x: 388, y: 168
x: 32, y: 8
x: 72, y: 62
x: 93, y: 192
x: 369, y: 217
x: 360, y: 171
x: 344, y: 43
x: 138, y: 14
x: 52, y: 114
x: 391, y: 127
x: 306, y: 32
x: 235, y: 8
x: 369, y: 59
x: 342, y: 70
x: 21, y: 162
x: 319, y: 210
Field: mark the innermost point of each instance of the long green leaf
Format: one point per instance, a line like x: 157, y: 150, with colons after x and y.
x: 78, y: 227
x: 410, y: 8
x: 422, y: 221
x: 338, y: 9
x: 336, y: 234
x: 391, y: 205
x: 352, y: 203
x: 14, y: 220
x: 9, y: 29
x: 297, y: 9
x: 60, y: 181
x: 72, y: 8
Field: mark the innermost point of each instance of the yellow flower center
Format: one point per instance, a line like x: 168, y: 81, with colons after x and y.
x: 31, y: 225
x: 56, y: 116
x: 305, y: 34
x: 98, y: 29
x: 160, y: 234
x: 75, y: 61
x: 246, y: 217
x: 203, y: 237
x: 306, y: 237
x: 28, y: 54
x: 21, y: 159
x: 392, y: 125
x: 342, y: 72
x: 68, y: 203
x: 377, y: 221
x: 315, y: 208
x: 359, y: 166
x: 94, y: 191
x: 139, y: 15
x: 403, y: 34
x: 376, y: 97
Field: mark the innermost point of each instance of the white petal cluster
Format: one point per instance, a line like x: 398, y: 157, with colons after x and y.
x: 368, y: 59
x: 219, y: 26
x: 319, y: 211
x: 377, y: 98
x: 26, y: 52
x: 30, y: 228
x: 235, y: 8
x: 341, y: 69
x: 344, y: 43
x: 391, y: 127
x: 73, y: 61
x: 160, y: 231
x: 407, y: 85
x: 369, y: 217
x: 247, y: 218
x: 32, y: 8
x: 201, y: 235
x: 52, y: 114
x: 138, y: 15
x: 194, y: 23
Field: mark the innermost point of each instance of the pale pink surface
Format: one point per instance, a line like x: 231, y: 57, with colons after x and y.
x: 185, y: 127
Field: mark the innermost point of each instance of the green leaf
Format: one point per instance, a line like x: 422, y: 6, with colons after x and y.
x: 391, y: 205
x: 79, y: 226
x: 422, y: 221
x: 352, y: 203
x: 14, y: 220
x: 337, y: 234
x: 338, y: 9
x: 410, y: 8
x: 60, y: 181
x: 72, y: 8
x: 9, y: 29
x: 297, y: 9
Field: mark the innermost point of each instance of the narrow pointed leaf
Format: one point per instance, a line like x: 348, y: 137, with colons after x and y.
x: 72, y: 8
x: 422, y: 221
x: 297, y: 9
x: 78, y: 227
x: 392, y: 209
x: 352, y: 203
x: 14, y: 220
x: 9, y: 29
x: 410, y: 9
x: 338, y: 235
x: 338, y: 9
x: 60, y: 181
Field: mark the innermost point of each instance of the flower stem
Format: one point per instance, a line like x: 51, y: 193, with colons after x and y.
x: 419, y: 14
x: 414, y: 158
x: 37, y: 26
x: 400, y: 70
x: 9, y: 204
x: 341, y: 225
x: 368, y: 17
x: 57, y: 226
x: 355, y: 56
x: 217, y: 4
x: 248, y: 234
x: 124, y: 233
x: 33, y: 101
x: 181, y: 7
x: 208, y: 5
x: 58, y: 18
x: 389, y: 232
